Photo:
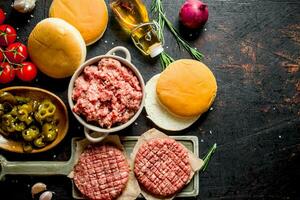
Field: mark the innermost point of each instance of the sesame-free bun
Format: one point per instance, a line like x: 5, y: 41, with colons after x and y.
x: 177, y: 97
x: 187, y: 88
x: 90, y: 17
x: 158, y: 114
x: 56, y: 47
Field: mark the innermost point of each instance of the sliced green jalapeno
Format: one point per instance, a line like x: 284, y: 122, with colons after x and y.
x: 39, y: 142
x: 7, y: 97
x: 31, y: 133
x: 49, y: 131
x: 46, y: 110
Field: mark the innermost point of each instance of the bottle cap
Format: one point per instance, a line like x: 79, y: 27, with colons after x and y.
x: 155, y: 50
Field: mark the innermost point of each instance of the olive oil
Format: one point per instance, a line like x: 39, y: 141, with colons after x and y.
x: 133, y: 17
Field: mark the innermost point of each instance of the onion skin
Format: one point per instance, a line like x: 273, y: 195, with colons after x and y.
x: 193, y: 14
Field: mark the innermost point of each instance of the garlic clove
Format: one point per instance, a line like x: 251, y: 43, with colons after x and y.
x: 24, y: 6
x: 37, y: 188
x: 46, y: 195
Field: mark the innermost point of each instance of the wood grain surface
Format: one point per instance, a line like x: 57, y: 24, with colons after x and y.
x: 253, y: 48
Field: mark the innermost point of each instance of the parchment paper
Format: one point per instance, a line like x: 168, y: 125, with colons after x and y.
x: 132, y: 189
x: 196, y: 163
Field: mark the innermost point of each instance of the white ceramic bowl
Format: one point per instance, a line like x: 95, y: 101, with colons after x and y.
x: 96, y: 133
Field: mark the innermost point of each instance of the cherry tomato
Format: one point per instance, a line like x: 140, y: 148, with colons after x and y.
x: 27, y: 72
x: 7, y: 73
x: 8, y: 35
x: 1, y: 56
x: 2, y: 16
x: 16, y: 52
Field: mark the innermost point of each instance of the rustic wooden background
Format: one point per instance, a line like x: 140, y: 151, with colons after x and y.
x: 253, y: 48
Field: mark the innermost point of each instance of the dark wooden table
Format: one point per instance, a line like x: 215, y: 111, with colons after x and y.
x: 253, y: 48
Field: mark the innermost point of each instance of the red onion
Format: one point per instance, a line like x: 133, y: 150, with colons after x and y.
x: 193, y: 14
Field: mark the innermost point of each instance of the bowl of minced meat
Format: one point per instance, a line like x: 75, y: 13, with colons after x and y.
x: 106, y: 94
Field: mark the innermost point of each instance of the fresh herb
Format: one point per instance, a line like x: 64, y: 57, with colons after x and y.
x: 158, y: 10
x: 165, y: 58
x: 207, y: 157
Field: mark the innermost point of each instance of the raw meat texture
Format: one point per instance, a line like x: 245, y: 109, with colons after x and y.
x: 108, y: 94
x: 162, y: 166
x: 101, y: 172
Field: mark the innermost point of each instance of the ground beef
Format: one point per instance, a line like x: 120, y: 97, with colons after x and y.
x: 101, y: 172
x: 108, y: 94
x: 162, y: 167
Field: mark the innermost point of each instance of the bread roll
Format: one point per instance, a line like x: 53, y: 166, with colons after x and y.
x: 90, y: 17
x: 187, y: 88
x: 56, y: 47
x: 161, y: 116
x: 177, y: 97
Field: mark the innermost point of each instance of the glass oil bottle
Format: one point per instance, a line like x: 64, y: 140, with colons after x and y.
x: 133, y: 17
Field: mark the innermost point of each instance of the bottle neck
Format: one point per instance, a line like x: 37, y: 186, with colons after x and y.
x: 156, y: 49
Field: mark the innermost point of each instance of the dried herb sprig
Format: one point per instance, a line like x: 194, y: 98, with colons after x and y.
x: 207, y: 157
x: 158, y: 10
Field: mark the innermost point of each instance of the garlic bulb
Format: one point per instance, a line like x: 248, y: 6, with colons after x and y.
x: 24, y: 6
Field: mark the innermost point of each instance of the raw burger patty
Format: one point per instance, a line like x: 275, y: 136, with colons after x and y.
x: 101, y: 172
x: 162, y: 166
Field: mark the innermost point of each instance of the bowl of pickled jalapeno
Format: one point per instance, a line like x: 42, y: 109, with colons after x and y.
x: 32, y: 120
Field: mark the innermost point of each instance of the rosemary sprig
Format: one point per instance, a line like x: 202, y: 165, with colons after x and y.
x: 207, y: 157
x: 192, y: 51
x: 158, y: 9
x: 165, y: 58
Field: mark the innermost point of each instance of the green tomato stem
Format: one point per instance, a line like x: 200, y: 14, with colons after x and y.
x: 6, y: 59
